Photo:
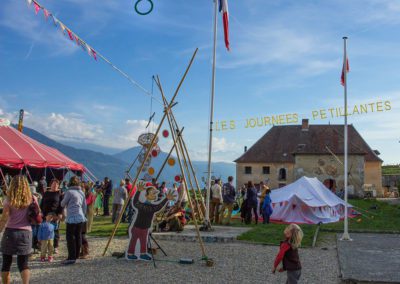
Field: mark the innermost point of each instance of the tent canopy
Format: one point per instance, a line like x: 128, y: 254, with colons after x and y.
x: 18, y: 151
x: 307, y: 200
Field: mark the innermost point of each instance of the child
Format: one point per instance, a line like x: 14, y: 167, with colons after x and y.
x: 289, y: 255
x: 46, y: 236
x: 266, y: 208
x: 98, y: 203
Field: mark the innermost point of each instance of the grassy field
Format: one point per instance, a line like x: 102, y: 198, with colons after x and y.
x: 391, y: 170
x: 102, y: 227
x: 384, y: 219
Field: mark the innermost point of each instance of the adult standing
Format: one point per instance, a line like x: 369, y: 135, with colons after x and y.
x: 75, y: 203
x: 42, y: 185
x: 216, y: 201
x: 228, y: 196
x: 120, y: 195
x: 107, y: 192
x: 51, y: 203
x: 90, y: 199
x: 263, y: 192
x: 17, y: 237
x: 183, y: 196
x: 251, y: 199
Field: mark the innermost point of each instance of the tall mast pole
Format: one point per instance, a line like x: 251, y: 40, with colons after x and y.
x: 346, y: 236
x: 207, y: 219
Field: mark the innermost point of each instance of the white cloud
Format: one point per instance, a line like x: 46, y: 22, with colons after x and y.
x: 22, y: 20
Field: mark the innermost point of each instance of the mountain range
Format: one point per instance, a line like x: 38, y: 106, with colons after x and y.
x: 115, y: 166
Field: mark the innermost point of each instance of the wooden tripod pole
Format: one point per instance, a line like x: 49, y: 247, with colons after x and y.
x: 166, y: 160
x: 182, y: 141
x: 183, y: 174
x: 175, y: 127
x: 149, y: 150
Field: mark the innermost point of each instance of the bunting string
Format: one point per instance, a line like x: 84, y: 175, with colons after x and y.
x: 84, y: 45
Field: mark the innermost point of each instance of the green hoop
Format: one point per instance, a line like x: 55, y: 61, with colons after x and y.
x: 144, y: 13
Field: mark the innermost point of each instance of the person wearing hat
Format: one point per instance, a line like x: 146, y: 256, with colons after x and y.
x: 145, y: 211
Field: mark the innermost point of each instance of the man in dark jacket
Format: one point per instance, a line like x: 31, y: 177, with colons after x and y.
x: 107, y: 191
x: 228, y: 196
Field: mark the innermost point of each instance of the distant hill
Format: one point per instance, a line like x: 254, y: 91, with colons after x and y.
x: 220, y: 169
x: 114, y: 166
x: 101, y: 165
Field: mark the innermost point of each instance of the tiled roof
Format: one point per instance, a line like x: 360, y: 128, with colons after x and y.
x: 282, y: 143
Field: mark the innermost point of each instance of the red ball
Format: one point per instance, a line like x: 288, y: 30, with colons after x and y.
x: 178, y: 178
x: 165, y: 133
x: 154, y: 153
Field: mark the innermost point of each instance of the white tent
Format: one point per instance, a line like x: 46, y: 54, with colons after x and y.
x: 306, y: 201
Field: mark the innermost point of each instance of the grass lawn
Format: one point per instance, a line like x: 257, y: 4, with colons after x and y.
x: 384, y: 219
x: 102, y: 227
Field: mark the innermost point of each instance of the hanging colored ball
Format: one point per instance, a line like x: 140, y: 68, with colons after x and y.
x: 178, y: 178
x: 154, y: 153
x: 165, y: 133
x: 151, y: 171
x: 171, y: 162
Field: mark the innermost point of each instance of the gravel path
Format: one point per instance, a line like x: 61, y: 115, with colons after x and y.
x: 234, y: 263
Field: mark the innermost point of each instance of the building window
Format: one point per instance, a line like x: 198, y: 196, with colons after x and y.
x: 247, y: 170
x: 265, y: 170
x: 282, y: 174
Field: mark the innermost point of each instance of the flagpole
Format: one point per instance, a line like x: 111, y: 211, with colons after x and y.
x: 346, y: 236
x: 207, y: 223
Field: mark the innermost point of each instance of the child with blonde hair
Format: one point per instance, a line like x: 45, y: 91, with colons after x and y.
x: 289, y: 254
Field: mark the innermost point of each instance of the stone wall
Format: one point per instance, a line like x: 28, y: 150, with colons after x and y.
x: 328, y: 167
x: 257, y: 174
x: 373, y: 175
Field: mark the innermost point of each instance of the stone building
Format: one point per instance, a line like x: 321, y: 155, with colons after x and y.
x: 286, y: 153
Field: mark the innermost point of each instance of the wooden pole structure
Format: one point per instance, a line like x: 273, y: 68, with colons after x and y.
x: 185, y: 155
x: 149, y: 150
x: 166, y: 160
x: 190, y: 162
x: 183, y: 173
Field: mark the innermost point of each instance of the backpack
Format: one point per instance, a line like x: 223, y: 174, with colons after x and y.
x: 34, y: 215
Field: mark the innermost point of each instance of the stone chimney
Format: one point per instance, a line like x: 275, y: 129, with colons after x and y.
x: 304, y: 124
x: 245, y: 149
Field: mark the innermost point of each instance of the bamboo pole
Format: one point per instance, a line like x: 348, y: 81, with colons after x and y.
x: 190, y: 163
x: 183, y: 175
x: 166, y: 160
x: 149, y: 149
x: 174, y: 125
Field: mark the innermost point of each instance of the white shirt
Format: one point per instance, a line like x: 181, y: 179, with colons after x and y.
x: 216, y: 191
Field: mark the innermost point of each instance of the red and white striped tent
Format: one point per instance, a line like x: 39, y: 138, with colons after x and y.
x: 18, y: 151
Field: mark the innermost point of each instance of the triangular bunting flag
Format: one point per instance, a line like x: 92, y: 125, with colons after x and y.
x: 55, y: 21
x: 37, y: 8
x: 29, y: 2
x: 46, y: 14
x: 71, y: 36
x: 94, y: 54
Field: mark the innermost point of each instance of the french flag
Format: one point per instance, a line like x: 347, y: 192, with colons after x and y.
x: 223, y: 7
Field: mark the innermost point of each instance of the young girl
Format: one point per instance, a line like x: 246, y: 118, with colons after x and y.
x: 289, y: 255
x: 98, y: 204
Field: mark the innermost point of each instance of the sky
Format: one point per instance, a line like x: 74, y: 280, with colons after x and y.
x: 285, y: 62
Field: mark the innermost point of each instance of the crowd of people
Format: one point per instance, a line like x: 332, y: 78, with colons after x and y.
x: 32, y: 214
x: 251, y: 201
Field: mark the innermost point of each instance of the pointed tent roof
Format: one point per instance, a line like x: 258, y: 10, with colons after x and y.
x: 18, y: 150
x: 310, y: 191
x: 306, y: 201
